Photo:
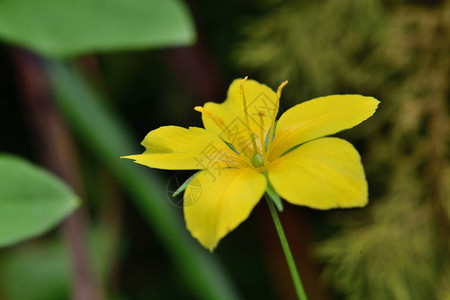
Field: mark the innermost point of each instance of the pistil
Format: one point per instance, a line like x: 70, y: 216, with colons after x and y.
x: 258, y: 160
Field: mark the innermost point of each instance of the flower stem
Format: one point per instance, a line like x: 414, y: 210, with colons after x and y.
x: 287, y: 251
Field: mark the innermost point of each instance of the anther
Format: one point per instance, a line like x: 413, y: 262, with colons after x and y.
x: 217, y: 120
x: 203, y: 111
x: 242, y: 84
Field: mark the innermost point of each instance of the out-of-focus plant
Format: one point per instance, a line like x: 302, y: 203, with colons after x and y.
x: 44, y: 269
x: 66, y: 28
x: 314, y: 44
x: 400, y: 54
x: 32, y: 200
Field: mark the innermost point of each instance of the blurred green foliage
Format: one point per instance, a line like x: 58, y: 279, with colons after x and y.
x: 48, y: 278
x: 67, y: 28
x: 32, y: 201
x: 315, y: 45
x: 398, y: 52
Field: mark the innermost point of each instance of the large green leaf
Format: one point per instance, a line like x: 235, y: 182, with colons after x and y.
x: 62, y: 28
x: 31, y: 200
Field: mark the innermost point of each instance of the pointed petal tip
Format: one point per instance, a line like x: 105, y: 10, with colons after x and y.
x: 209, y: 245
x: 374, y: 101
x: 211, y: 248
x: 375, y: 104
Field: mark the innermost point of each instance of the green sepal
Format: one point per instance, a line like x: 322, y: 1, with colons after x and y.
x: 184, y: 185
x: 274, y: 128
x: 290, y: 149
x: 266, y: 141
x: 273, y: 195
x: 268, y: 136
x: 230, y: 145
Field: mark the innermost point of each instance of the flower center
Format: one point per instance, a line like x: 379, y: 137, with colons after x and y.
x: 257, y: 133
x: 257, y: 160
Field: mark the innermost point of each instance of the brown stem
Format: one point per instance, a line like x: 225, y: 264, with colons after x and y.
x: 56, y: 150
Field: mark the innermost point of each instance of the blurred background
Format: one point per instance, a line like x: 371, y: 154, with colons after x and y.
x: 82, y: 83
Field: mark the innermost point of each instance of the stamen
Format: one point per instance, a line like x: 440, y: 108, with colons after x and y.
x: 217, y: 120
x: 203, y: 111
x: 280, y: 88
x: 244, y: 100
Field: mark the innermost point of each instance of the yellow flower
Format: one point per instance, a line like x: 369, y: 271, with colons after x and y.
x: 242, y: 151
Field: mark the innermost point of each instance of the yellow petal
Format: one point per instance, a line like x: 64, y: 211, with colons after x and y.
x: 323, y: 174
x: 319, y: 117
x: 177, y: 148
x: 216, y: 203
x: 262, y: 108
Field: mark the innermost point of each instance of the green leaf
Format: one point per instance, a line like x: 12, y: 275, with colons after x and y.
x: 32, y: 200
x: 64, y: 28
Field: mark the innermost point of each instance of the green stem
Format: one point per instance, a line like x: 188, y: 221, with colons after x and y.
x: 287, y: 252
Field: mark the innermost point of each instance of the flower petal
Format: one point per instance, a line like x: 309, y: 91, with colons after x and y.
x: 323, y: 174
x: 215, y: 204
x: 177, y: 148
x: 259, y: 98
x: 319, y: 117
